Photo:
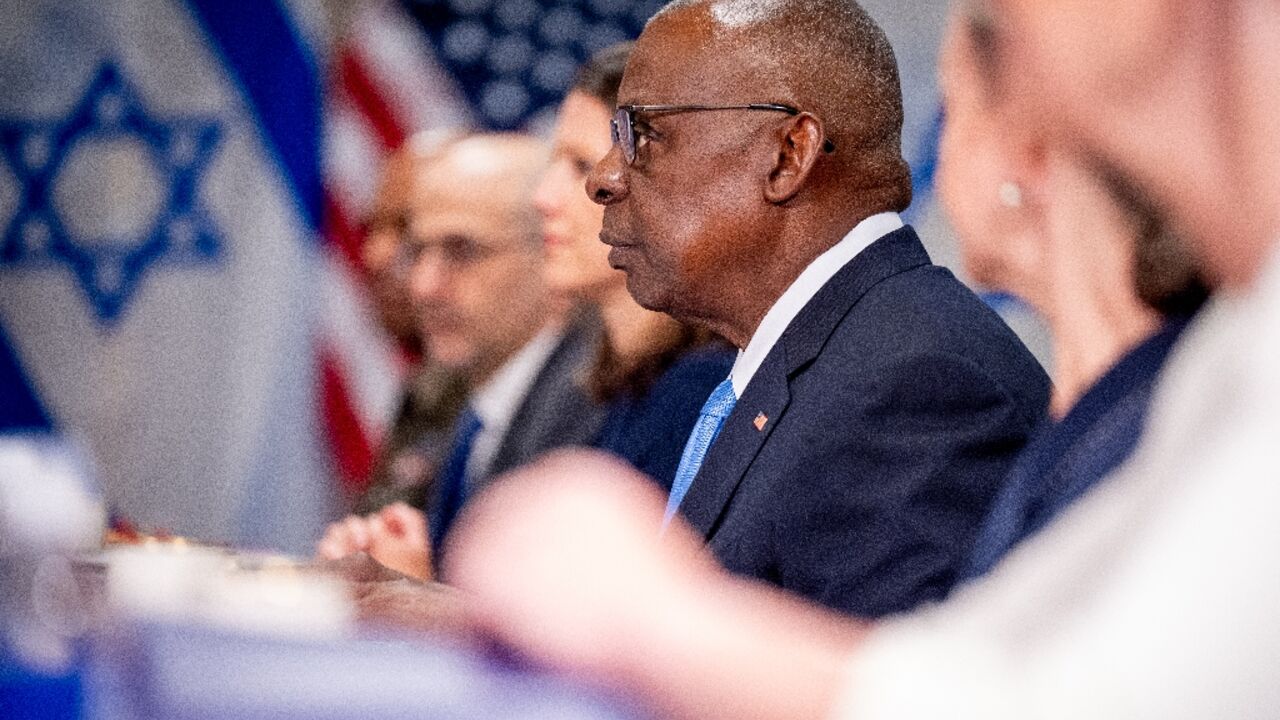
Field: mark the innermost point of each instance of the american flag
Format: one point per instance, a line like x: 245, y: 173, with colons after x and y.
x: 411, y: 66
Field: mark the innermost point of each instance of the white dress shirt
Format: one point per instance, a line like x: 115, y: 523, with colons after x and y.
x: 496, y: 401
x: 1155, y: 596
x: 802, y: 290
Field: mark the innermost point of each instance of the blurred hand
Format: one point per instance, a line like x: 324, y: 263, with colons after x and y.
x: 428, y: 607
x: 396, y: 536
x: 563, y: 560
x: 398, y: 539
x: 345, y: 537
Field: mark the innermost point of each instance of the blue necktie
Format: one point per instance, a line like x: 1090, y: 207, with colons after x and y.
x: 453, y: 479
x: 710, y: 420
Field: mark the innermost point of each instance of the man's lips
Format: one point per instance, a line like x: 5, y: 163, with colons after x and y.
x: 620, y: 248
x: 555, y: 233
x: 618, y: 256
x: 613, y: 239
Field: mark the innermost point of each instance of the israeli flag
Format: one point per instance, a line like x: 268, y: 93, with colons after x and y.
x: 160, y: 199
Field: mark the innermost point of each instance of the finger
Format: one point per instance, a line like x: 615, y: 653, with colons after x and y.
x: 329, y: 549
x: 357, y: 531
x: 391, y: 520
x: 378, y: 530
x: 335, y: 543
x: 404, y: 520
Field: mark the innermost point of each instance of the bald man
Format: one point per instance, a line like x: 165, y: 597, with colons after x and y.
x: 383, y: 229
x: 876, y: 403
x: 474, y: 251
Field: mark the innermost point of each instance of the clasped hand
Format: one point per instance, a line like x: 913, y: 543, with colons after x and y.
x: 396, y: 536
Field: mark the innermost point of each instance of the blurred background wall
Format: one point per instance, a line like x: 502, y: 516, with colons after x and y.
x: 181, y: 187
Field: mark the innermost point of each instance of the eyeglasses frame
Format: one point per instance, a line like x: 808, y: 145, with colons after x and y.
x: 624, y: 115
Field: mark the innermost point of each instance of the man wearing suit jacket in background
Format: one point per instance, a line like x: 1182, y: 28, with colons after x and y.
x: 876, y: 404
x: 472, y: 248
x: 557, y: 409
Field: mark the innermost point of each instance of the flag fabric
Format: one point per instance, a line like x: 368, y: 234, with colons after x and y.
x: 160, y: 205
x: 181, y: 186
x: 383, y: 86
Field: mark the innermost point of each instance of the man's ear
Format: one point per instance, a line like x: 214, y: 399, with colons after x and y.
x: 800, y: 144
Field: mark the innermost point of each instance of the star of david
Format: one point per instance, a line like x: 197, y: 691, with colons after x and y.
x: 110, y: 192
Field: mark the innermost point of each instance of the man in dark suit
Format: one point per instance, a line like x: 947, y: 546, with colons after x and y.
x: 556, y: 410
x: 1153, y: 596
x: 473, y: 251
x: 876, y: 404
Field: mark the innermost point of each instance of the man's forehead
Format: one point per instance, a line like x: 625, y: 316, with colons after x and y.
x: 1084, y: 24
x: 479, y: 193
x: 685, y: 57
x: 661, y: 58
x: 486, y: 220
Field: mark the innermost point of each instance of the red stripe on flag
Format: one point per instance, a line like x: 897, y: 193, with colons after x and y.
x: 342, y: 232
x: 352, y: 449
x: 365, y: 95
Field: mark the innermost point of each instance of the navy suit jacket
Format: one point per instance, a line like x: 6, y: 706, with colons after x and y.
x: 1066, y: 459
x: 868, y: 446
x: 556, y: 412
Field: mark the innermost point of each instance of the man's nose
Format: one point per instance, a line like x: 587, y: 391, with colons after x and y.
x: 429, y: 277
x: 607, y: 182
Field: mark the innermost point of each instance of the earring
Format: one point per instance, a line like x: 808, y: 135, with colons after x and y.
x: 1010, y: 194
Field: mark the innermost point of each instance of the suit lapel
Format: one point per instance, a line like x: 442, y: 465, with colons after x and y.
x: 768, y: 395
x: 736, y: 447
x: 892, y: 254
x: 528, y: 426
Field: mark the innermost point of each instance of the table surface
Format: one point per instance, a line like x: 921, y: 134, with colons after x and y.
x: 145, y: 669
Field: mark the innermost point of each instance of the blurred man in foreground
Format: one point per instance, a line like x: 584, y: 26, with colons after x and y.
x: 474, y: 246
x: 1153, y: 596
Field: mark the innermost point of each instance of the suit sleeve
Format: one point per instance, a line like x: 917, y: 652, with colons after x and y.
x: 899, y: 470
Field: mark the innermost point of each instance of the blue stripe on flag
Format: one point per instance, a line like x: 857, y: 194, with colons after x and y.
x: 20, y: 408
x: 277, y: 74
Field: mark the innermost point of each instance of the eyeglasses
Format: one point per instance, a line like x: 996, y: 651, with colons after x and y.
x: 623, y: 125
x: 455, y: 253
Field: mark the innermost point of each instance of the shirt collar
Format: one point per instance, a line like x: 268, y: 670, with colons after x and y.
x: 498, y: 398
x: 802, y: 290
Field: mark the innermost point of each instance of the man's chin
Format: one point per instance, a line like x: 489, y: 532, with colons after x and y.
x: 647, y: 296
x: 456, y: 357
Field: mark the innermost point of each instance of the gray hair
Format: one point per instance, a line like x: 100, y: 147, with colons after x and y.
x: 838, y: 63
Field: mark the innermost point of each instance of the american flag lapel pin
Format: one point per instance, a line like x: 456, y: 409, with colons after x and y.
x: 760, y: 421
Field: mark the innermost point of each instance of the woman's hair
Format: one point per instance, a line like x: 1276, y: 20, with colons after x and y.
x: 602, y: 74
x: 610, y: 378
